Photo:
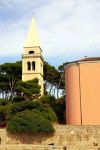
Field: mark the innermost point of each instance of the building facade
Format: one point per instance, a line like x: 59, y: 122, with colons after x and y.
x: 82, y: 79
x: 32, y: 60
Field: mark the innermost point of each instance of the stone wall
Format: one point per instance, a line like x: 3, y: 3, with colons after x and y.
x: 42, y: 147
x: 64, y: 135
x: 29, y: 147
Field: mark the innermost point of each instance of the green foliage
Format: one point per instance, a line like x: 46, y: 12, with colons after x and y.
x: 12, y: 108
x: 4, y: 102
x: 5, y: 111
x: 28, y: 88
x: 10, y: 73
x: 22, y: 94
x: 27, y: 121
x: 48, y: 100
x: 4, y: 84
x: 54, y: 79
x: 61, y: 67
x: 21, y: 106
x: 18, y: 99
x: 12, y: 69
x: 47, y: 112
x: 4, y: 114
x: 51, y: 74
x: 57, y: 105
x: 59, y: 109
x: 62, y: 79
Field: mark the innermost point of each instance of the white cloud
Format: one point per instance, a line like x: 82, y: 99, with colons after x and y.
x: 68, y: 29
x: 74, y: 27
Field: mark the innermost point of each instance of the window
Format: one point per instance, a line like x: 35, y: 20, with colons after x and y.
x: 33, y: 65
x: 31, y: 52
x: 28, y: 66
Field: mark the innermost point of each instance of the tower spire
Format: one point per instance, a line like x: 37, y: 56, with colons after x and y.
x: 32, y: 60
x: 32, y: 38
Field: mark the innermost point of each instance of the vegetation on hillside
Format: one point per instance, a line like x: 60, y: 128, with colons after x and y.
x: 21, y: 107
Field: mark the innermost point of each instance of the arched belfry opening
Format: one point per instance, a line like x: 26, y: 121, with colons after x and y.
x: 33, y: 65
x: 28, y: 66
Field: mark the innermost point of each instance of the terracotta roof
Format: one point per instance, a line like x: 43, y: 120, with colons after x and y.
x: 90, y: 59
x: 86, y: 59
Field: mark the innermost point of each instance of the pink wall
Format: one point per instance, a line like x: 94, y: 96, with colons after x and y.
x: 72, y: 95
x: 83, y: 93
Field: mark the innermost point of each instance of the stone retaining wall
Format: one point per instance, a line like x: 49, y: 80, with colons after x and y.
x: 64, y: 136
x: 29, y: 147
x: 43, y: 147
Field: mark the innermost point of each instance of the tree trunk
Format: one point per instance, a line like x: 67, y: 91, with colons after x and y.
x: 11, y: 84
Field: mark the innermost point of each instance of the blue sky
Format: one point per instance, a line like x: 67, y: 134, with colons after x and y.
x: 68, y: 29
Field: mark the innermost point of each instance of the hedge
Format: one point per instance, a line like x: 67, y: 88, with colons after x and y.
x: 29, y: 121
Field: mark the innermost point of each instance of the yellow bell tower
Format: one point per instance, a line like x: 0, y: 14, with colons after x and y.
x: 32, y: 60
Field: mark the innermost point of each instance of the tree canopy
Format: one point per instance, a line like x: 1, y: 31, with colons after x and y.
x: 54, y: 78
x: 10, y: 73
x: 28, y: 89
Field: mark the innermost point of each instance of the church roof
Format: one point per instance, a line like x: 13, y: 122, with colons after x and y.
x: 32, y: 38
x: 90, y: 59
x: 86, y: 60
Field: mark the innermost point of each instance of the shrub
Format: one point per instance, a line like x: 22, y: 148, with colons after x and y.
x: 47, y: 112
x: 57, y: 105
x: 28, y: 88
x: 29, y: 121
x: 4, y: 101
x: 59, y: 109
x: 48, y: 99
x: 18, y: 99
x: 3, y: 118
x: 5, y: 113
x: 21, y: 106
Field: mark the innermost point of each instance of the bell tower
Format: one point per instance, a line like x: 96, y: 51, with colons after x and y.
x: 32, y: 60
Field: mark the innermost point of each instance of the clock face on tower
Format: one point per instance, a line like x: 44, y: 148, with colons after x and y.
x: 31, y: 52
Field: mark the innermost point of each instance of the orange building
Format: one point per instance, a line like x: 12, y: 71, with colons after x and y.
x: 82, y: 79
